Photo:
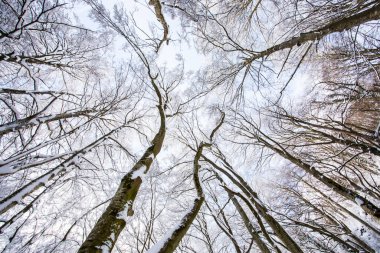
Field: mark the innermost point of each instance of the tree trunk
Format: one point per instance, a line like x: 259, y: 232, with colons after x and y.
x: 352, y: 195
x: 335, y: 26
x: 247, y: 223
x: 104, y: 234
x: 253, y: 198
x: 169, y: 244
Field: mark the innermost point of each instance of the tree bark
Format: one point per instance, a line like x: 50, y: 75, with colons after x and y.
x: 351, y: 195
x: 247, y: 223
x: 104, y: 234
x: 171, y: 243
x: 160, y: 17
x: 253, y: 198
x: 335, y: 26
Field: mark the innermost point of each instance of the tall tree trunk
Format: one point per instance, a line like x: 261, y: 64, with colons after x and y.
x: 104, y: 234
x: 253, y: 199
x: 349, y: 194
x: 170, y: 243
x: 335, y: 26
x: 247, y: 223
x: 343, y: 209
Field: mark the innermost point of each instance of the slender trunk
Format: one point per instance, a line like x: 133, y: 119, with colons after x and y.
x: 276, y: 227
x: 351, y: 195
x: 34, y: 120
x: 262, y: 246
x: 247, y: 223
x: 35, y: 59
x: 343, y: 209
x: 335, y: 26
x: 36, y: 92
x: 170, y: 243
x: 15, y: 198
x: 253, y: 198
x: 160, y: 17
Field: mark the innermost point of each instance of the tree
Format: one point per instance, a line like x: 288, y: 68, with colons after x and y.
x: 115, y: 137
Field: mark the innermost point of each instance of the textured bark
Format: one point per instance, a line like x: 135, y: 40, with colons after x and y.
x: 335, y: 26
x: 171, y: 244
x: 158, y: 10
x: 109, y: 226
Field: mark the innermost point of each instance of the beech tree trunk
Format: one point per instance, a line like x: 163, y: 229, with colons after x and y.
x: 349, y: 194
x: 171, y: 243
x: 179, y: 232
x: 335, y: 26
x: 253, y: 199
x: 104, y: 234
x: 247, y: 223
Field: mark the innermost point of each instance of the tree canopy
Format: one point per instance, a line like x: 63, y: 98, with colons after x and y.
x: 190, y: 126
